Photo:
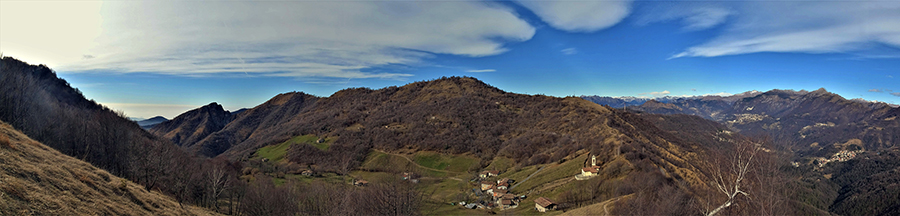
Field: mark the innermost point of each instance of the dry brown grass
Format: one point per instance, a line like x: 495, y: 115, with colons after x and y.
x: 37, y: 180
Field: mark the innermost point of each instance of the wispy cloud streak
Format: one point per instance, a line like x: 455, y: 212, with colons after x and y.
x: 804, y: 27
x: 287, y: 38
x: 481, y: 71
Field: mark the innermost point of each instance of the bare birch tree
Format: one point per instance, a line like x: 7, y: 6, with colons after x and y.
x: 218, y: 179
x: 729, y: 179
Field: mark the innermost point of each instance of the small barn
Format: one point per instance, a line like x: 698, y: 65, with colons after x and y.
x: 543, y: 204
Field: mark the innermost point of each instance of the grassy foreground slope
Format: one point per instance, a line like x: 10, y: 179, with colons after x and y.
x: 38, y: 180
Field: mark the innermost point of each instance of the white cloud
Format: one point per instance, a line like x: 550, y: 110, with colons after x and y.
x: 481, y: 71
x: 580, y: 16
x: 569, y: 51
x: 721, y: 94
x: 895, y: 94
x: 694, y: 15
x: 274, y: 38
x: 805, y: 27
x: 875, y: 90
x: 656, y: 94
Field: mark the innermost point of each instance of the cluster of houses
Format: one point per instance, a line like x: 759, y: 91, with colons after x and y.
x: 500, y: 197
x: 495, y: 193
x: 499, y: 193
x: 841, y: 156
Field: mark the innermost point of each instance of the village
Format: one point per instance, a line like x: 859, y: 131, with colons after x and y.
x: 486, y: 190
x: 494, y: 193
x: 841, y: 156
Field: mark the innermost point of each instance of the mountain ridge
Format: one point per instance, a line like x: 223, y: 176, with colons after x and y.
x: 813, y: 126
x: 147, y: 124
x: 193, y: 125
x: 783, y: 114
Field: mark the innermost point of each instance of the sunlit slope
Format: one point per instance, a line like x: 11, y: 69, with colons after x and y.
x: 38, y: 180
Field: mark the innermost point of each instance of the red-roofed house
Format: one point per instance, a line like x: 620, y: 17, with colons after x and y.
x: 497, y: 192
x: 543, y: 204
x: 504, y: 180
x: 505, y: 203
x: 510, y: 196
x: 486, y: 185
x: 503, y: 185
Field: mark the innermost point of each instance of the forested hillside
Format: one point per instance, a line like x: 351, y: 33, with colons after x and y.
x: 451, y: 115
x: 45, y: 107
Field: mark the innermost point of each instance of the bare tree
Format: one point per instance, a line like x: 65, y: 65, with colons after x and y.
x: 217, y: 179
x: 264, y: 198
x: 729, y: 179
x: 182, y: 171
x: 770, y: 192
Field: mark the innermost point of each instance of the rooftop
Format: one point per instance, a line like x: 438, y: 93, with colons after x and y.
x: 544, y: 202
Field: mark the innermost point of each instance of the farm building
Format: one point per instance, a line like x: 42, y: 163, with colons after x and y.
x: 543, y: 204
x: 489, y: 173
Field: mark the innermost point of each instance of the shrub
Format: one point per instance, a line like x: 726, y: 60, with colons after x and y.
x: 4, y: 141
x: 123, y: 185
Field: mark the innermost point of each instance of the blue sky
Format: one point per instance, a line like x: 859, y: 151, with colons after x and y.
x: 152, y: 58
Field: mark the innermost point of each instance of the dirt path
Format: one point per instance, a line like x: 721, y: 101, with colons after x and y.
x: 554, y: 184
x: 420, y: 166
x: 606, y: 205
x: 526, y: 178
x: 594, y: 209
